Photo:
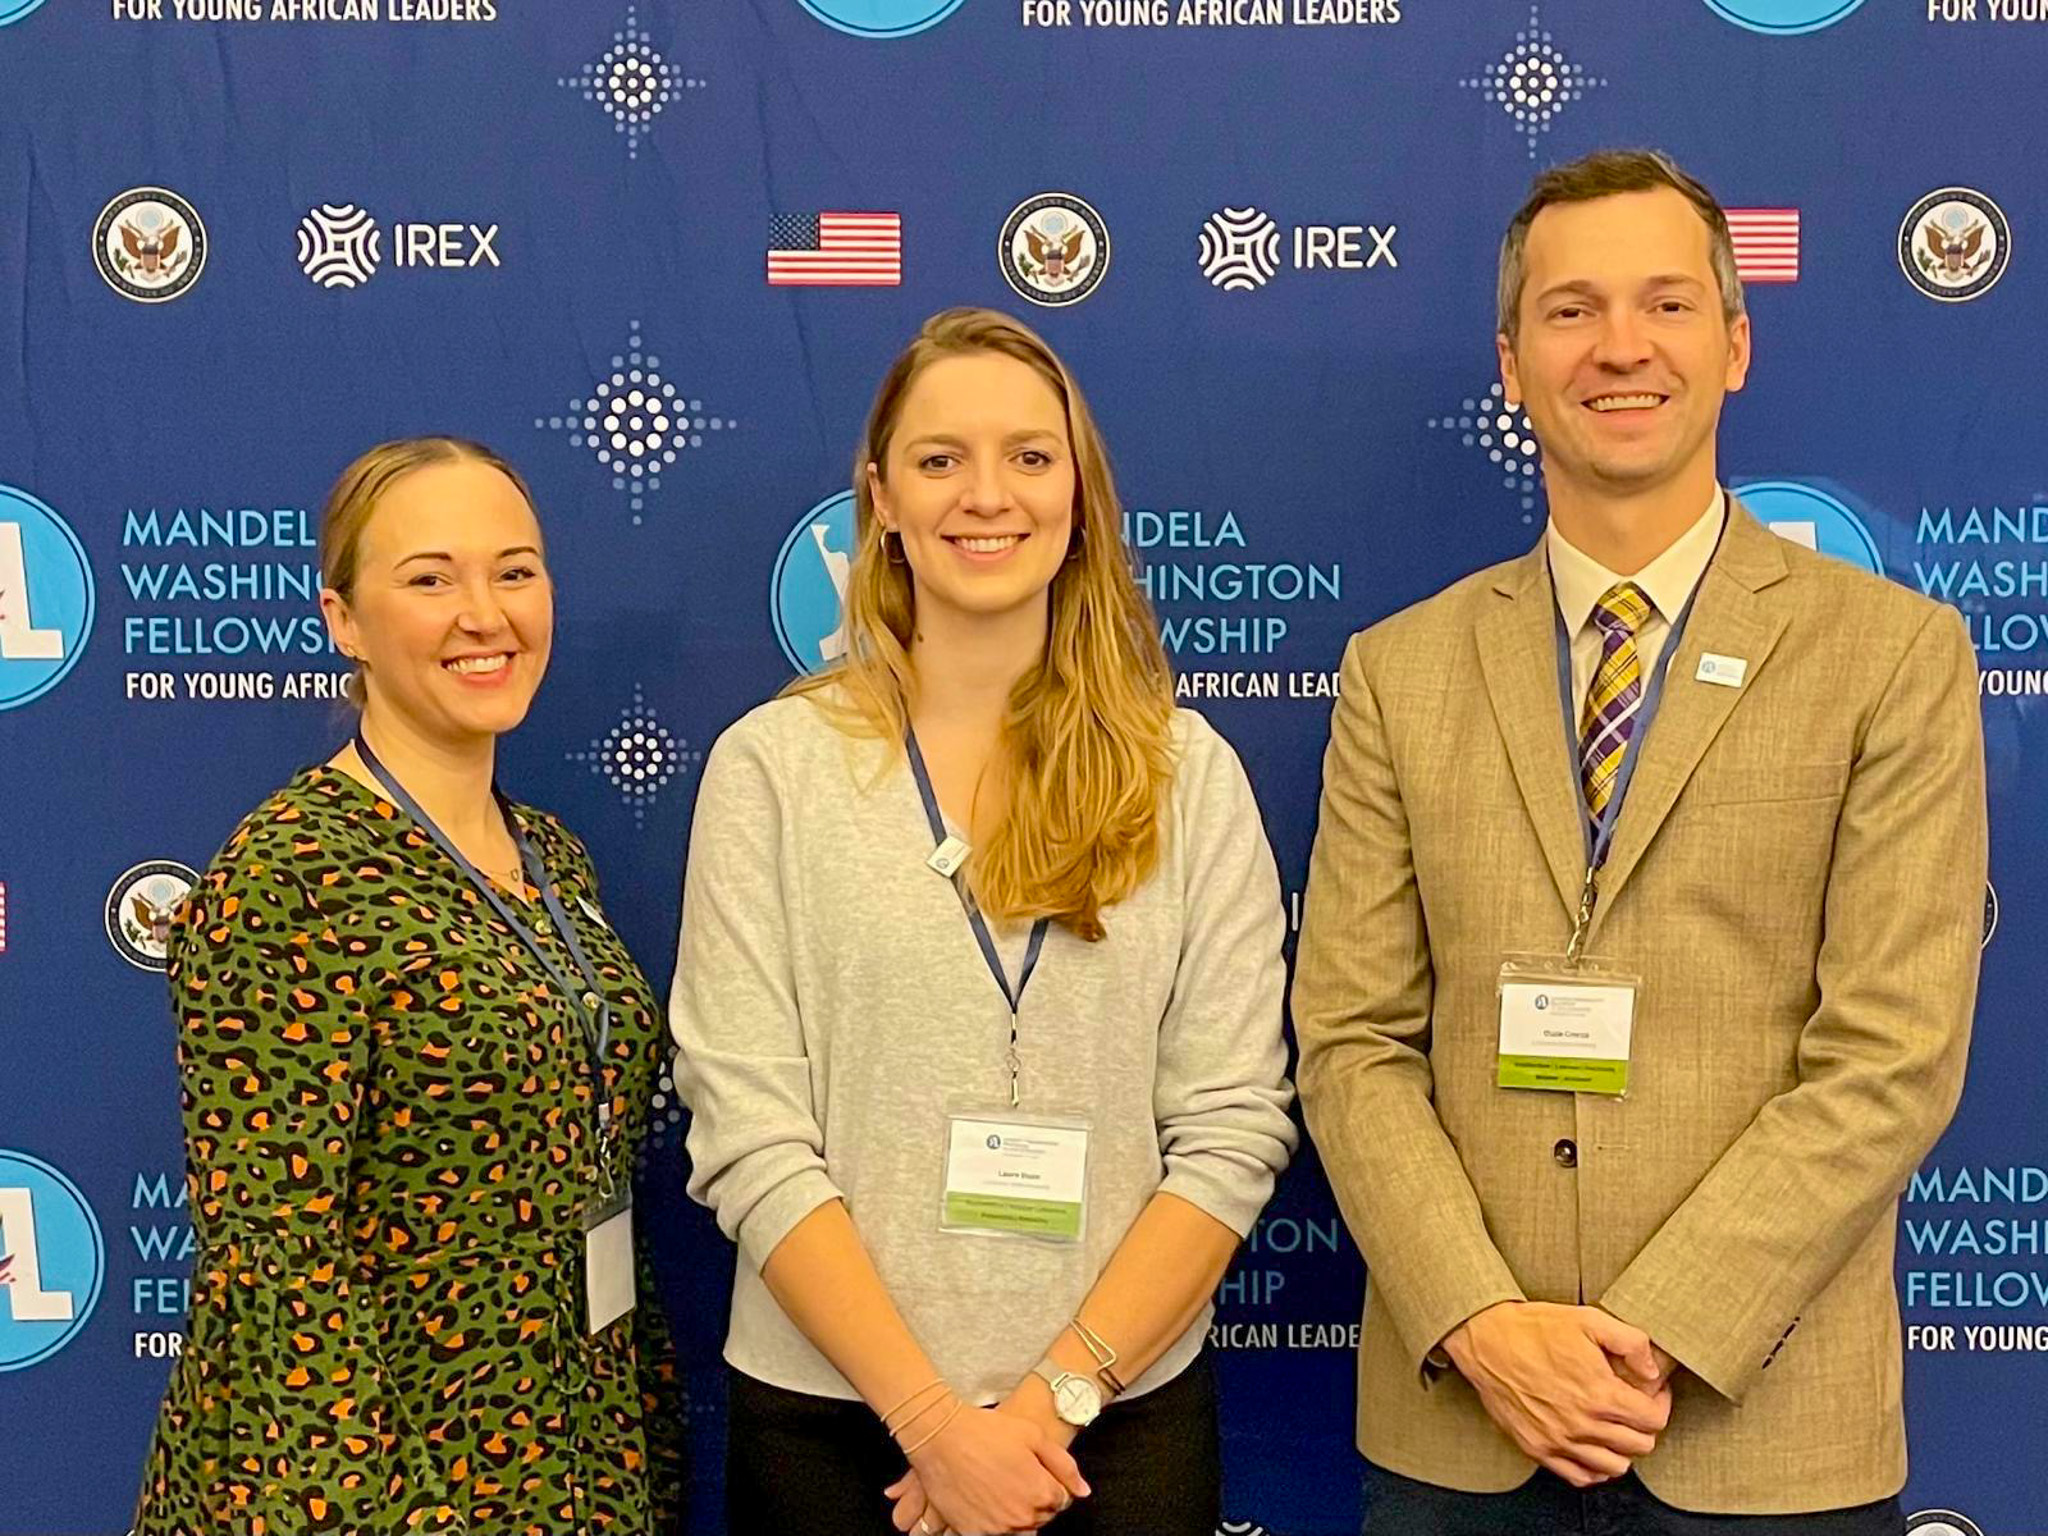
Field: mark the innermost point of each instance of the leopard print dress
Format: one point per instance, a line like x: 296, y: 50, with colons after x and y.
x: 390, y: 1143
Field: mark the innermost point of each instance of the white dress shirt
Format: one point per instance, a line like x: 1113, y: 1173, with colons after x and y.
x: 1667, y: 581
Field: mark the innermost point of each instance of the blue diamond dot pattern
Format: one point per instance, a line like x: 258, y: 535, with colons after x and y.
x: 638, y: 757
x: 1503, y: 433
x: 631, y: 82
x: 1533, y: 82
x: 635, y: 423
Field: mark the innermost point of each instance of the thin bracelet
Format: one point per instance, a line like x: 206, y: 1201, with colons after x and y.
x: 910, y: 1397
x: 937, y: 1402
x: 1098, y: 1346
x: 911, y: 1450
x: 920, y: 1392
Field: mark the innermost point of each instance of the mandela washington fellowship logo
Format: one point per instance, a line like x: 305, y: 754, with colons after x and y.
x: 52, y: 1260
x: 340, y: 245
x: 1941, y: 1522
x: 881, y: 18
x: 1240, y: 249
x: 149, y: 245
x: 1242, y: 1528
x: 1954, y: 244
x: 1783, y: 18
x: 1533, y: 82
x: 808, y: 591
x: 46, y: 598
x: 140, y: 908
x: 1805, y: 515
x: 1054, y: 249
x: 13, y: 10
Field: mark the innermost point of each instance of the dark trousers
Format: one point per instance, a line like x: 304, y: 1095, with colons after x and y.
x: 1547, y: 1505
x: 798, y: 1465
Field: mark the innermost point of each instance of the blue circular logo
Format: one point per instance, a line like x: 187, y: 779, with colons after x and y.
x: 873, y: 18
x: 1813, y: 518
x: 1784, y: 18
x: 14, y: 10
x: 809, y: 589
x: 46, y: 597
x: 52, y: 1261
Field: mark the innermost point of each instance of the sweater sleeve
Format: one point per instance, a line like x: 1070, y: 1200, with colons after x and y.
x: 1222, y: 1093
x: 756, y: 1149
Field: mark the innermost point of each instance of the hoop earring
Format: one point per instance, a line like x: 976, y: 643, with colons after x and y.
x: 1076, y: 541
x: 899, y: 558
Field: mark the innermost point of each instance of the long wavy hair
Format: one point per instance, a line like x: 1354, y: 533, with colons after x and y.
x: 1084, y: 759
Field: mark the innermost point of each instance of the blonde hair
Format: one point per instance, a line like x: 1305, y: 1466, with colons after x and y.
x: 1085, y: 753
x: 353, y: 502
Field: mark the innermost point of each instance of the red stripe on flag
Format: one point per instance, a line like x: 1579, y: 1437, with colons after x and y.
x: 855, y: 250
x: 1766, y: 244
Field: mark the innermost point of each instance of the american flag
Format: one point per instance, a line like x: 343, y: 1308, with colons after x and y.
x: 835, y: 250
x: 6, y: 1269
x: 1766, y: 244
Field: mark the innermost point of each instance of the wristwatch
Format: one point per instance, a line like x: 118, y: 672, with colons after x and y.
x: 1076, y: 1399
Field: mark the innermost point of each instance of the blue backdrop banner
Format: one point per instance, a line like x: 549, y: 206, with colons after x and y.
x: 658, y: 252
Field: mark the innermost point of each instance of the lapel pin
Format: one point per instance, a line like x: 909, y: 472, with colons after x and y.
x: 1728, y: 671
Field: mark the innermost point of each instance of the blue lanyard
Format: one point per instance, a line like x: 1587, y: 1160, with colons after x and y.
x: 592, y: 1011
x: 1013, y: 996
x: 1600, y: 833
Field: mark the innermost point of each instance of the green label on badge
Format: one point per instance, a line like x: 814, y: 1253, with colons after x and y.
x: 1015, y: 1213
x: 1563, y: 1074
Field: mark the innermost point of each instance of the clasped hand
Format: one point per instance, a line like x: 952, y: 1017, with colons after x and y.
x: 991, y: 1470
x: 1581, y: 1392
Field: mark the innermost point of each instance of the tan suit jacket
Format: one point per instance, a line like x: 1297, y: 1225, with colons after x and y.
x: 1797, y: 876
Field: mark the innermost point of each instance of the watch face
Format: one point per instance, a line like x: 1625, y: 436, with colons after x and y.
x: 1077, y: 1400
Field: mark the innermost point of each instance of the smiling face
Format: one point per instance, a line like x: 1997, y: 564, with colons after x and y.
x: 451, y: 609
x: 978, y: 481
x: 1622, y: 354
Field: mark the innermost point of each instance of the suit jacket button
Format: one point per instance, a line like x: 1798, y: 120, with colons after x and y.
x: 1567, y: 1153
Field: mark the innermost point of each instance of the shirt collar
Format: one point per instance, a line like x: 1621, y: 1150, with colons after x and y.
x: 1581, y: 581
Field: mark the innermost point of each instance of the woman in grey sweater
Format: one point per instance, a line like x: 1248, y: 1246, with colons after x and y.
x: 978, y: 1003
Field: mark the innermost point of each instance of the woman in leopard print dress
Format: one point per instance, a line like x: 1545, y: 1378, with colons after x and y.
x: 391, y: 1108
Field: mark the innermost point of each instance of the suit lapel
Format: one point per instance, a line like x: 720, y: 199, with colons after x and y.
x: 1732, y: 617
x: 1517, y: 641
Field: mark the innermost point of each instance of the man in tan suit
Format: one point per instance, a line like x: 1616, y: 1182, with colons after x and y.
x: 1631, y: 1311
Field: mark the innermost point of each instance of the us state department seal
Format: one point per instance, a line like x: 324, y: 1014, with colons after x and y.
x: 139, y: 911
x: 1955, y: 244
x: 1942, y: 1522
x: 149, y: 245
x: 1054, y: 249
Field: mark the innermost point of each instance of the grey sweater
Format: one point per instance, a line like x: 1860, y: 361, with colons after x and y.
x: 831, y: 1008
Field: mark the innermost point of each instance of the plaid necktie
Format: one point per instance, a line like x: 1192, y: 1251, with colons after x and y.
x: 1609, y: 718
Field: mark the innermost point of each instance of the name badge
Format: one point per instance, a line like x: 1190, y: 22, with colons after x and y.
x: 608, y: 1262
x: 1016, y: 1177
x: 1565, y: 1028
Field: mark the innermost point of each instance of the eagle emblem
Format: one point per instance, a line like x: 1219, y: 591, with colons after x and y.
x: 154, y: 251
x: 1054, y: 249
x: 142, y: 907
x: 149, y: 922
x: 1955, y: 246
x: 1058, y: 256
